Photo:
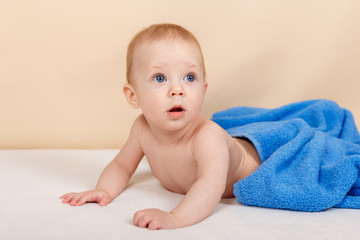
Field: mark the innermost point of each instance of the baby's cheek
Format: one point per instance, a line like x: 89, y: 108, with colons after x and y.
x: 196, y: 105
x: 151, y: 111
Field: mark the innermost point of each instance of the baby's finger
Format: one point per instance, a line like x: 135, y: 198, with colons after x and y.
x: 75, y: 199
x: 144, y: 221
x: 89, y: 196
x: 137, y: 217
x: 83, y: 199
x: 154, y: 225
x: 68, y: 197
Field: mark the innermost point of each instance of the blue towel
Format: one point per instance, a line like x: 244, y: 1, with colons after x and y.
x: 310, y: 153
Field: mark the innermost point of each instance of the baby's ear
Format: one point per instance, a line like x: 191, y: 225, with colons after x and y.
x: 205, y: 87
x: 130, y: 95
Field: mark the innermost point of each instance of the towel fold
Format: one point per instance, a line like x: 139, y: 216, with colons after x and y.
x: 310, y: 153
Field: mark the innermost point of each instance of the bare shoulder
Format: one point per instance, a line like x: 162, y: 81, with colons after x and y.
x: 137, y: 129
x: 131, y: 153
x: 211, y: 151
x: 138, y: 125
x: 210, y: 134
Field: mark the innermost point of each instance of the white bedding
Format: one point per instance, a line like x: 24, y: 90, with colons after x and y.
x: 31, y: 182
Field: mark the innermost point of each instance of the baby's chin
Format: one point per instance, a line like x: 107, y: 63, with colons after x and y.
x: 174, y: 125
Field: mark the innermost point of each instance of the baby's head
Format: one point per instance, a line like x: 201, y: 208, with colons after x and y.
x: 166, y: 76
x: 155, y: 33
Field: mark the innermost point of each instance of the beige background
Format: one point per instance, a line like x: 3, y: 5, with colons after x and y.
x: 62, y: 63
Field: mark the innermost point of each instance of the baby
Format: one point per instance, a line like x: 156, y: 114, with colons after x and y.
x: 187, y: 153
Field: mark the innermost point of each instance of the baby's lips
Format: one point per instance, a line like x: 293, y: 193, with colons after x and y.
x: 177, y: 108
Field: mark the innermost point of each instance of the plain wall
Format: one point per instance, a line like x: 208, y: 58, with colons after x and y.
x: 62, y: 63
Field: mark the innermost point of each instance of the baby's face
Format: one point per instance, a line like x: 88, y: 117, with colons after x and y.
x: 169, y: 82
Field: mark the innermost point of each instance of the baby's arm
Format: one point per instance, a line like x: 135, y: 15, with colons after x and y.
x: 212, y: 155
x: 115, y: 176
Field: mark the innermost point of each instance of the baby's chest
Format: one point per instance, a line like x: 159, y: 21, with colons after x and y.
x: 174, y: 169
x: 172, y: 160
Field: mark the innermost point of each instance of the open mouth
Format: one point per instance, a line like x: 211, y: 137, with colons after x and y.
x: 176, y: 112
x: 176, y: 109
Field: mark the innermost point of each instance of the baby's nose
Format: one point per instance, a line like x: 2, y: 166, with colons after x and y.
x: 177, y: 91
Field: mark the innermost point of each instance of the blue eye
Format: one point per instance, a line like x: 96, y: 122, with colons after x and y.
x: 189, y: 78
x: 159, y: 78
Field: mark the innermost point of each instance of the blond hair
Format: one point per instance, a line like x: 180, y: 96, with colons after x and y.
x: 157, y: 32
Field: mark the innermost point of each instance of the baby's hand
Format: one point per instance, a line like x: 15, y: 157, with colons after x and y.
x: 78, y: 199
x: 155, y: 219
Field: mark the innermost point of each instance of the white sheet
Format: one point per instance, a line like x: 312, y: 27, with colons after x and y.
x: 31, y: 182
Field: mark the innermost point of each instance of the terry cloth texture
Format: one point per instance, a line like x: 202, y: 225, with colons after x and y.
x: 310, y: 153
